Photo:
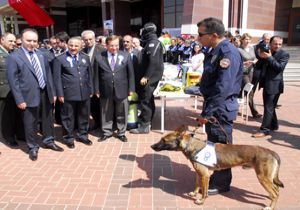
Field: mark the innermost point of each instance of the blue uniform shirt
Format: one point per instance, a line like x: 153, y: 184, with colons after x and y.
x: 221, y: 81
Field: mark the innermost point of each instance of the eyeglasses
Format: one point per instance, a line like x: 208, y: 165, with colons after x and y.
x: 202, y: 34
x: 125, y: 41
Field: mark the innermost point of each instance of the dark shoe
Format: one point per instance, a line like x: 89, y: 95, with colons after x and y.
x: 140, y: 130
x: 257, y: 116
x: 215, y: 191
x: 275, y: 128
x: 33, y: 155
x: 259, y: 135
x: 54, y: 147
x: 103, y: 138
x: 123, y: 138
x: 71, y: 145
x: 12, y: 143
x: 85, y: 141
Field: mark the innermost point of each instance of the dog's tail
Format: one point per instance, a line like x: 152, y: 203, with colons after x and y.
x: 276, y: 177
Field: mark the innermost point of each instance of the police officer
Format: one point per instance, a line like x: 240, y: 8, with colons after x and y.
x: 73, y: 82
x: 151, y: 72
x: 220, y: 86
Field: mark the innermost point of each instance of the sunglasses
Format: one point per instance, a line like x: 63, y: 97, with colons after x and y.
x: 202, y: 34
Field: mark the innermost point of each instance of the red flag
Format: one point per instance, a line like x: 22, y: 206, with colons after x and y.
x: 31, y: 12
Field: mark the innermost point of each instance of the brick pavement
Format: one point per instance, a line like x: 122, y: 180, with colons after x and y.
x: 114, y: 176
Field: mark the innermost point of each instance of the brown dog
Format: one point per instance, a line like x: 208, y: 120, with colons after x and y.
x: 265, y: 162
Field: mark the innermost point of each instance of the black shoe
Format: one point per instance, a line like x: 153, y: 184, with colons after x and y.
x: 85, y: 141
x: 123, y: 138
x: 12, y: 143
x: 54, y: 147
x: 140, y: 130
x: 71, y: 145
x: 33, y: 155
x: 103, y: 138
x: 215, y: 191
x: 274, y: 128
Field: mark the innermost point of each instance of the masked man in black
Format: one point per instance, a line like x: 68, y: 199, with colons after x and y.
x: 151, y: 72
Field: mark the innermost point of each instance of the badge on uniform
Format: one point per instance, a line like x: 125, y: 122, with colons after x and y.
x: 213, y: 59
x: 83, y: 61
x: 225, y: 63
x: 151, y: 45
x: 207, y: 156
x: 69, y: 59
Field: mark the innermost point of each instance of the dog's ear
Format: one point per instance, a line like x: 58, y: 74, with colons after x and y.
x: 181, y: 129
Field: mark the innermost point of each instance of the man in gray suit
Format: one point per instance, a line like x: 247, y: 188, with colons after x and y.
x: 113, y: 83
x: 93, y: 49
x: 31, y: 82
x: 73, y: 82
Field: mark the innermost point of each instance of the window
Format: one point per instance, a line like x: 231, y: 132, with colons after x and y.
x: 173, y: 10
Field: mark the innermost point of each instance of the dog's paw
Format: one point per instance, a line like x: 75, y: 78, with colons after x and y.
x: 267, y: 208
x: 199, y: 201
x: 191, y: 194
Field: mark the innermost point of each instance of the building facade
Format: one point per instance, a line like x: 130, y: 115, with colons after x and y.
x: 280, y: 17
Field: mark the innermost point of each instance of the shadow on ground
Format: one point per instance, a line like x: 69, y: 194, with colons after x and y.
x: 177, y: 179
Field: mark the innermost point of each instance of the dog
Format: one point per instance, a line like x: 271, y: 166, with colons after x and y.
x: 265, y: 162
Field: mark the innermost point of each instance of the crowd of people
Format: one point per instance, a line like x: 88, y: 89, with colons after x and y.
x: 88, y: 75
x: 76, y: 77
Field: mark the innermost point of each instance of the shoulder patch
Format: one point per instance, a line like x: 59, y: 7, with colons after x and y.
x: 225, y: 63
x: 151, y: 45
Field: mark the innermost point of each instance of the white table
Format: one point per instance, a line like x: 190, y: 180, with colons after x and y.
x: 165, y: 96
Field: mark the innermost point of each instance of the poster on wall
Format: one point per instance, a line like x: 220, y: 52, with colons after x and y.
x: 108, y: 26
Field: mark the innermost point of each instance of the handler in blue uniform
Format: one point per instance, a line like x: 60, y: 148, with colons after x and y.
x: 220, y: 86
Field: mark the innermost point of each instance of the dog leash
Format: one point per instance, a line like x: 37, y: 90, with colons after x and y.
x: 212, y: 120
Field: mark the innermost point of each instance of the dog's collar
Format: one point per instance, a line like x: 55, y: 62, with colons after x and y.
x: 186, y: 151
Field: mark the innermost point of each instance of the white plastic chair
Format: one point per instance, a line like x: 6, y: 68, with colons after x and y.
x: 244, y: 101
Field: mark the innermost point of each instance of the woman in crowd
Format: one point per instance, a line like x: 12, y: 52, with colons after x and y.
x: 249, y: 60
x: 197, y: 58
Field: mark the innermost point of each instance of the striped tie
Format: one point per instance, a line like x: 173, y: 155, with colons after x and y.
x: 38, y: 71
x: 112, y: 62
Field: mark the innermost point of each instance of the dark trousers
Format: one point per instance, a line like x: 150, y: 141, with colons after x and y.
x: 31, y: 116
x: 95, y: 110
x: 70, y: 109
x: 269, y: 121
x: 220, y: 179
x: 147, y: 103
x: 11, y: 124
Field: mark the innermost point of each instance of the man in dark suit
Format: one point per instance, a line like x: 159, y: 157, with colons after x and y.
x: 114, y: 81
x: 93, y: 49
x: 271, y: 80
x: 31, y: 83
x: 136, y: 58
x: 73, y: 82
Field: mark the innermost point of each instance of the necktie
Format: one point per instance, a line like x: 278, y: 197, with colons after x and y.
x: 112, y: 62
x: 37, y: 70
x: 74, y: 60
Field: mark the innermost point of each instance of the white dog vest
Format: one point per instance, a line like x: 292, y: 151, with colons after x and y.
x: 207, y: 156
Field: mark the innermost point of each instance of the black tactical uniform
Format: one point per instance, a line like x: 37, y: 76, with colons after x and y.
x: 151, y: 69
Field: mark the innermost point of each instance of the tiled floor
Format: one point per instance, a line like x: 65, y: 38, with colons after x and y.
x: 114, y: 176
